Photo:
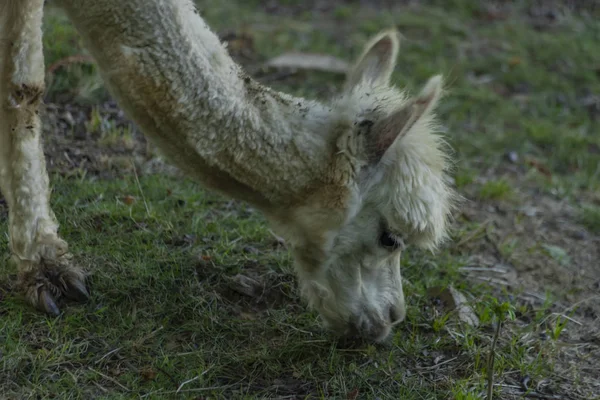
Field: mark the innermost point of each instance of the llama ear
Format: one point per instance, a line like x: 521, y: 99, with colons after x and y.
x: 377, y: 61
x: 389, y: 130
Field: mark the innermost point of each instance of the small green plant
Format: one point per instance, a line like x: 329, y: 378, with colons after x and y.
x: 557, y: 327
x: 494, y: 190
x: 95, y: 123
x: 343, y: 12
x: 118, y: 137
x: 508, y: 248
x: 463, y: 179
x: 590, y: 218
x: 557, y: 253
x: 501, y: 312
x: 462, y: 391
x: 440, y: 322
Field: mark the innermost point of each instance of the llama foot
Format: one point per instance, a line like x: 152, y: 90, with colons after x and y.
x: 49, y: 280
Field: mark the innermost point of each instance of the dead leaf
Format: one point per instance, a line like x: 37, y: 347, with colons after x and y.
x: 204, y: 262
x: 495, y: 15
x: 148, y: 374
x: 309, y: 61
x: 247, y: 316
x: 129, y: 200
x: 353, y: 395
x: 452, y: 299
x: 239, y: 44
x: 500, y: 89
x: 540, y: 167
x: 513, y: 61
x: 238, y: 41
x: 245, y: 285
x: 557, y: 253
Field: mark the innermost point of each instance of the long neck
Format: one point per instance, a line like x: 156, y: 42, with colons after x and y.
x: 174, y: 78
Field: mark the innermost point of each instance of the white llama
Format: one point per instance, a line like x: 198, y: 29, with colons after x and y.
x: 347, y: 183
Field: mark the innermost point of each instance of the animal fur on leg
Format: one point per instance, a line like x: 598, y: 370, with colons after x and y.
x: 45, y: 270
x: 349, y: 182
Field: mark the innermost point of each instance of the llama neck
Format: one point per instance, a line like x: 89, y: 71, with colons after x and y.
x: 174, y: 78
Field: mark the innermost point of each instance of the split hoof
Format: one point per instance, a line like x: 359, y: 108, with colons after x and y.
x: 75, y: 290
x: 46, y: 302
x: 48, y: 282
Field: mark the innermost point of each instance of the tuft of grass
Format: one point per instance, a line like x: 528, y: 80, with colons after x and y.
x: 464, y: 178
x: 120, y: 137
x: 108, y: 132
x: 590, y: 218
x: 95, y: 123
x: 495, y: 190
x: 343, y: 12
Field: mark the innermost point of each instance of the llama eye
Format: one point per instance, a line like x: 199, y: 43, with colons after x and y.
x: 387, y: 240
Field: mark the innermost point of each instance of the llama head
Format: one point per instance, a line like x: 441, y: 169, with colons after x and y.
x: 386, y: 187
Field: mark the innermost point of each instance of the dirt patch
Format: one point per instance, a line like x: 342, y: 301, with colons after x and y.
x: 99, y: 140
x: 76, y: 139
x: 533, y: 251
x: 538, y: 239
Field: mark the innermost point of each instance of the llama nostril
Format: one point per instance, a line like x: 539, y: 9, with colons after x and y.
x: 393, y: 315
x: 396, y: 314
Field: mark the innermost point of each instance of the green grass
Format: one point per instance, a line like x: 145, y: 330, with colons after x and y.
x: 164, y: 313
x: 590, y: 217
x: 75, y: 79
x: 162, y: 310
x: 496, y: 189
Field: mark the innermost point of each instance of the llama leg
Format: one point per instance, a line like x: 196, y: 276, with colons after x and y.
x: 44, y: 267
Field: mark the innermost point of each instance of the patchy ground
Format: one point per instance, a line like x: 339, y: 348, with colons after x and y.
x: 193, y: 297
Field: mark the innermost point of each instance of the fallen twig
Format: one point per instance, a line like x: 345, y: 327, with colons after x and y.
x: 113, y: 380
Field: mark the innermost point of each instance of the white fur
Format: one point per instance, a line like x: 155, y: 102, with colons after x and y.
x: 326, y: 179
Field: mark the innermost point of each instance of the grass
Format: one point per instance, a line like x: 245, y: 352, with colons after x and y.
x: 590, y: 217
x: 166, y: 318
x: 496, y: 189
